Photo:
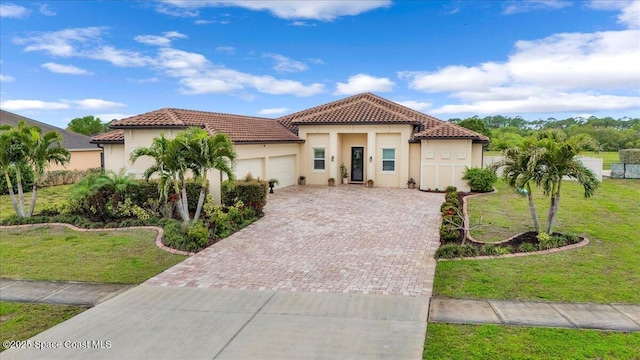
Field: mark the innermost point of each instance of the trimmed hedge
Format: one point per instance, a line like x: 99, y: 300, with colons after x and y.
x: 480, y: 179
x: 629, y: 156
x: 252, y: 193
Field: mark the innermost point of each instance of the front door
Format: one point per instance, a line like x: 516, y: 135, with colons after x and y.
x: 357, y: 164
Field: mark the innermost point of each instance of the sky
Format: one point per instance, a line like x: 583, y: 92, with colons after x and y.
x: 450, y: 59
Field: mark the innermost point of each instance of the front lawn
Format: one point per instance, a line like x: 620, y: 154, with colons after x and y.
x: 20, y: 321
x: 605, y: 271
x: 448, y: 341
x: 47, y: 197
x: 59, y: 253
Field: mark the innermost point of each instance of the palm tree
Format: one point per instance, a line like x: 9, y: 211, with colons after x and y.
x: 557, y: 159
x: 205, y: 153
x: 519, y: 167
x: 25, y: 146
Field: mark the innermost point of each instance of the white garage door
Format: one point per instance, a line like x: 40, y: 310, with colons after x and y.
x: 253, y: 166
x: 282, y: 168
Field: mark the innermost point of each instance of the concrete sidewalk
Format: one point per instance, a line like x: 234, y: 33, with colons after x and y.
x: 157, y: 322
x: 59, y: 292
x: 618, y: 317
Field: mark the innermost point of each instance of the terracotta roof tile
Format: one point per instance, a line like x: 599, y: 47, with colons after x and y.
x: 246, y: 129
x: 368, y: 108
x: 111, y: 137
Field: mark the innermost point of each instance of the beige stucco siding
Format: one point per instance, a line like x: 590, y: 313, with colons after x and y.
x: 414, y: 162
x: 338, y: 141
x: 443, y: 163
x: 80, y: 160
x: 114, y: 157
x: 476, y: 158
x: 136, y: 138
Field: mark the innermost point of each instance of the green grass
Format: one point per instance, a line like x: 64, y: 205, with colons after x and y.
x: 20, y: 321
x: 608, y: 157
x: 59, y: 253
x: 446, y: 341
x: 46, y: 198
x: 605, y: 271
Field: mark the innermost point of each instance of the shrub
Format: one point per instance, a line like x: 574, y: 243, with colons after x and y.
x: 252, y: 193
x: 629, y: 156
x: 480, y: 179
x: 572, y: 238
x: 197, y: 236
x: 454, y: 220
x: 450, y: 251
x: 448, y: 208
x: 493, y: 250
x: 27, y: 180
x: 452, y: 199
x: 527, y: 247
x: 449, y: 233
x: 451, y: 189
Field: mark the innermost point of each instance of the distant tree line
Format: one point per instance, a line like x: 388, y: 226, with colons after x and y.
x: 88, y: 125
x: 506, y: 132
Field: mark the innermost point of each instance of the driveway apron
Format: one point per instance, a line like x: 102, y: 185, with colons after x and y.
x: 329, y: 272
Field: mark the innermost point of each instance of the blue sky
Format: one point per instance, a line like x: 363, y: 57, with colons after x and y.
x: 112, y: 59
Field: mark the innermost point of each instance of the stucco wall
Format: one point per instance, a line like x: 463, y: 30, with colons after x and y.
x: 443, y: 163
x: 414, y: 162
x: 80, y: 160
x: 338, y: 140
x: 114, y: 157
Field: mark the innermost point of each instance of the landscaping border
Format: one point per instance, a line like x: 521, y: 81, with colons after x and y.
x: 158, y: 240
x: 467, y: 234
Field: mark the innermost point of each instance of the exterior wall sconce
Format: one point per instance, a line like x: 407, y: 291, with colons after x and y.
x: 332, y: 157
x: 370, y: 158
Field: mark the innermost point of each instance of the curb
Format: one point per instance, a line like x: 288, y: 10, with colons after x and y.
x: 158, y: 240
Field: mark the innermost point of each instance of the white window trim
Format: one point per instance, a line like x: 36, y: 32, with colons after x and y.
x: 395, y: 160
x: 314, y: 158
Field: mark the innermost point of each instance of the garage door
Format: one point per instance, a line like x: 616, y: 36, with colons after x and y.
x: 253, y: 166
x: 282, y: 168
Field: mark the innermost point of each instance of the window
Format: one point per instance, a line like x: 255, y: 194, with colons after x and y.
x: 318, y: 158
x: 389, y: 160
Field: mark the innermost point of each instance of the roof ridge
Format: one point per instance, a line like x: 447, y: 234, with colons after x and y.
x: 330, y: 106
x: 221, y: 113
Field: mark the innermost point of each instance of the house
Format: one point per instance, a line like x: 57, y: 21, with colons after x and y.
x: 374, y: 137
x: 84, y: 154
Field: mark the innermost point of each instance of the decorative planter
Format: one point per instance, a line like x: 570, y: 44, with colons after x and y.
x: 332, y: 182
x: 302, y: 180
x: 345, y: 180
x: 369, y: 183
x: 271, y: 185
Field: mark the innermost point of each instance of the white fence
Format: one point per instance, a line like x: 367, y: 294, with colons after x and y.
x: 594, y: 164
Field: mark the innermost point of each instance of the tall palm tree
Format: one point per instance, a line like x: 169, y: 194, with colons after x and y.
x: 25, y: 146
x: 519, y: 168
x: 557, y: 159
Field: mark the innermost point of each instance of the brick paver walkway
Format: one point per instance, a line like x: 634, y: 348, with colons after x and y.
x: 343, y: 239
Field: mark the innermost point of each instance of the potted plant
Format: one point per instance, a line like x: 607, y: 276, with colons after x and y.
x: 344, y: 173
x: 411, y: 183
x: 272, y: 183
x: 332, y: 182
x: 302, y: 180
x: 370, y: 183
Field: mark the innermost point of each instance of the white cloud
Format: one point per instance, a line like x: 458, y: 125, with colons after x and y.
x: 416, y: 105
x: 14, y: 11
x: 6, y: 78
x: 118, y: 57
x: 273, y: 111
x: 520, y: 6
x: 285, y: 64
x: 226, y: 49
x: 44, y: 10
x: 572, y: 72
x: 179, y: 63
x: 144, y: 81
x: 18, y: 105
x: 112, y: 116
x: 316, y: 10
x: 95, y: 104
x: 65, y: 69
x: 156, y: 40
x: 302, y: 23
x: 64, y: 43
x: 364, y: 83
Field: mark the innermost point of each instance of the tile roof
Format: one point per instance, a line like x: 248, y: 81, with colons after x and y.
x: 111, y: 137
x: 368, y: 108
x: 241, y: 129
x: 72, y: 141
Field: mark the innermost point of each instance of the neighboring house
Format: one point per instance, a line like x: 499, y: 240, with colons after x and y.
x: 84, y: 154
x: 374, y: 137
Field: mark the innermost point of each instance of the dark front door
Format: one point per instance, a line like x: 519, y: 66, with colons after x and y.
x: 357, y: 164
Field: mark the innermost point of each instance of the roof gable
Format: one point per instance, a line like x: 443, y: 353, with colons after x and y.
x: 368, y: 108
x: 71, y: 140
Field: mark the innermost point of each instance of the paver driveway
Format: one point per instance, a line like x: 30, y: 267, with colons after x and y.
x: 344, y: 239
